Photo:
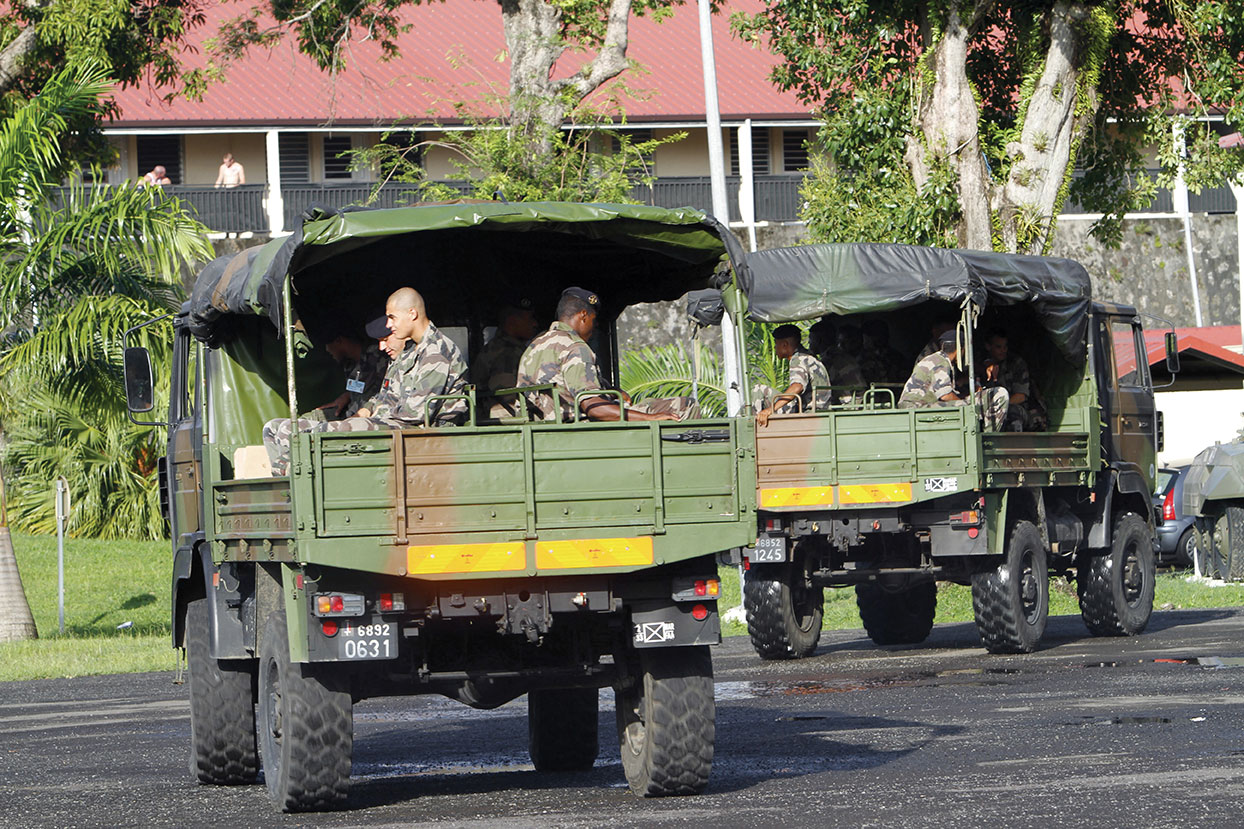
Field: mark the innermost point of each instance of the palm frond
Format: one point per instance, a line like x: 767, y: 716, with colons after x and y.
x: 667, y: 371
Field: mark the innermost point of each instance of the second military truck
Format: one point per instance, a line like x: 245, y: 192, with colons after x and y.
x: 891, y: 500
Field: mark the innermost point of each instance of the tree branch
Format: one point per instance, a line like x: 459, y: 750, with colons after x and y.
x: 610, y: 61
x: 13, y: 57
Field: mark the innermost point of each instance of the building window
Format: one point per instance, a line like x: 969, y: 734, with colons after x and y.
x: 760, y: 152
x: 295, y: 157
x: 794, y: 150
x: 636, y: 137
x: 405, y: 141
x: 337, y: 157
x: 163, y: 150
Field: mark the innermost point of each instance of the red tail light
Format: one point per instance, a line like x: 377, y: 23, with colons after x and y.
x: 1168, y: 505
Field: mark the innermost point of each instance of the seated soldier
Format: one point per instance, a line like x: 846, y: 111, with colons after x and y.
x: 428, y: 365
x: 496, y: 365
x: 844, y: 370
x: 880, y: 363
x: 364, y: 367
x: 932, y: 384
x: 806, y: 372
x: 1006, y: 369
x: 561, y: 356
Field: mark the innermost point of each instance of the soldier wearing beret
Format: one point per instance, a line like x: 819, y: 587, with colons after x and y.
x: 932, y: 384
x: 1008, y: 370
x: 806, y: 373
x: 428, y: 365
x: 562, y: 356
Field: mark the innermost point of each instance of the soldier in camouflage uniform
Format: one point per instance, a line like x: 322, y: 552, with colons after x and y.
x: 496, y: 365
x: 879, y: 362
x: 364, y: 367
x: 561, y: 356
x: 932, y: 384
x: 429, y: 365
x: 1010, y: 371
x: 843, y: 365
x: 806, y: 373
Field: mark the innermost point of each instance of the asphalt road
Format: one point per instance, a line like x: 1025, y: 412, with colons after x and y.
x: 1139, y: 732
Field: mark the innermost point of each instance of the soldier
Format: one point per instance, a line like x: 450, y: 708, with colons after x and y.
x: 496, y: 366
x: 364, y: 367
x: 932, y: 384
x: 806, y: 372
x: 561, y: 356
x: 428, y: 365
x: 879, y: 362
x: 844, y: 367
x: 942, y: 323
x: 1010, y: 371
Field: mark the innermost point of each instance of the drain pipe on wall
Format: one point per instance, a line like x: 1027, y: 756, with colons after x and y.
x: 1179, y: 194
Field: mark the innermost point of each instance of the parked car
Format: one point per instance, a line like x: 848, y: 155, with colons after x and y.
x: 1176, y: 536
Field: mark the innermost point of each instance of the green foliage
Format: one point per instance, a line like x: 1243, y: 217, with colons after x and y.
x: 494, y: 163
x: 668, y: 371
x: 74, y: 275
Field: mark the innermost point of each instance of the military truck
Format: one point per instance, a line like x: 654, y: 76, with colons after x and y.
x: 1214, y: 495
x: 506, y: 556
x: 890, y: 500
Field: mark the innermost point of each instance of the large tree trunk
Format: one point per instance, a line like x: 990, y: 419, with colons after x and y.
x: 947, y: 116
x: 15, y: 619
x: 539, y: 103
x: 1051, y: 129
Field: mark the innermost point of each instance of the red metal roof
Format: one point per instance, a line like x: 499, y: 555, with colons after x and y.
x: 453, y: 51
x: 1209, y: 343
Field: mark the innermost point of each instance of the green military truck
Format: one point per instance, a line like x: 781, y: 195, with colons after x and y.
x: 892, y: 500
x: 503, y: 557
x: 1214, y: 496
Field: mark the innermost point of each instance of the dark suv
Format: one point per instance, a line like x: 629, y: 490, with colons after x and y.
x: 1176, y: 538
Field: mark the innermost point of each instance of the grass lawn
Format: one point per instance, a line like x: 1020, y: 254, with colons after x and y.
x: 109, y: 584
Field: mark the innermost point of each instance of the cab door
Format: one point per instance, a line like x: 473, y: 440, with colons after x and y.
x: 1129, y: 411
x: 185, y: 437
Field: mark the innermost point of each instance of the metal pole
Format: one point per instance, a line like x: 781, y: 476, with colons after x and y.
x: 1179, y: 195
x: 716, y: 167
x: 62, y: 516
x: 1237, y: 189
x: 747, y: 188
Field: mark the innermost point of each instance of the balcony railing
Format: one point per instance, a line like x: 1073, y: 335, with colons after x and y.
x: 245, y: 208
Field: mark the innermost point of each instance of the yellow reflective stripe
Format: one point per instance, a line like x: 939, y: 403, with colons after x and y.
x: 466, y: 558
x: 873, y: 493
x: 797, y: 496
x: 593, y: 552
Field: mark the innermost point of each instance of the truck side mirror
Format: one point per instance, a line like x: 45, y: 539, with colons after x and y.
x: 1172, y: 352
x: 139, y: 388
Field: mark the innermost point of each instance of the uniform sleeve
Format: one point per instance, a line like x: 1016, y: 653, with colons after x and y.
x: 1019, y: 380
x: 579, y: 370
x: 942, y: 383
x: 800, y: 372
x: 429, y: 377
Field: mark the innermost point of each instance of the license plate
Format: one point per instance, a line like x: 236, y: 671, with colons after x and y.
x: 770, y: 550
x: 373, y: 640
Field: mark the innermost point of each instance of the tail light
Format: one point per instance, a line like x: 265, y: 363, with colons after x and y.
x: 1168, y: 505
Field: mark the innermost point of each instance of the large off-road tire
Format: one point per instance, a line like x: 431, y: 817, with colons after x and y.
x: 897, y: 616
x: 306, y: 727
x: 784, y: 609
x: 562, y: 728
x: 1012, y: 601
x: 1116, y: 589
x: 667, y: 722
x: 222, y: 709
x: 1229, y: 544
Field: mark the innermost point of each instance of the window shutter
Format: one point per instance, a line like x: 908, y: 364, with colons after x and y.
x: 160, y: 149
x: 295, y: 157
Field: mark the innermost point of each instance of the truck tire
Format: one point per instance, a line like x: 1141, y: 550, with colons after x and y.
x: 784, y: 609
x: 1229, y: 538
x: 306, y: 727
x: 222, y: 709
x: 562, y: 728
x: 1116, y: 589
x: 897, y: 617
x: 1012, y: 601
x: 666, y: 722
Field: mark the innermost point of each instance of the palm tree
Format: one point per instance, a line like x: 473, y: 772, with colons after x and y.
x: 15, y: 619
x: 77, y: 268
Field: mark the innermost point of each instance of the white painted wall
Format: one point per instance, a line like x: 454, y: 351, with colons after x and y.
x: 1196, y: 419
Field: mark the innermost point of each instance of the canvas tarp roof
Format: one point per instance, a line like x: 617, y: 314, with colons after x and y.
x: 806, y: 282
x: 463, y: 254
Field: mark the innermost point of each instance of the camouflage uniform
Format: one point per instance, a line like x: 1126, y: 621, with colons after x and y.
x: 1013, y: 376
x: 431, y: 367
x: 933, y: 378
x: 560, y: 356
x: 807, y: 371
x: 845, y: 375
x: 881, y: 365
x: 496, y: 366
x: 365, y: 378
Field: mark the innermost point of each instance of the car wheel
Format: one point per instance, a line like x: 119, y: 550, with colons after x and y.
x: 1185, y: 549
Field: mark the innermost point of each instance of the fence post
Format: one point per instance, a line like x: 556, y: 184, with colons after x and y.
x: 276, y: 199
x: 62, y: 517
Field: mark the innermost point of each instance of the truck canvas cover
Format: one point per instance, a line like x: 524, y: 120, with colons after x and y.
x: 807, y: 282
x: 668, y: 252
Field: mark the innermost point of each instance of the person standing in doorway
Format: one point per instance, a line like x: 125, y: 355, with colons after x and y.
x: 231, y: 172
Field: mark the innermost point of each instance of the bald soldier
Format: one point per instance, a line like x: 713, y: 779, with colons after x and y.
x: 562, y: 356
x: 428, y: 365
x: 932, y: 384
